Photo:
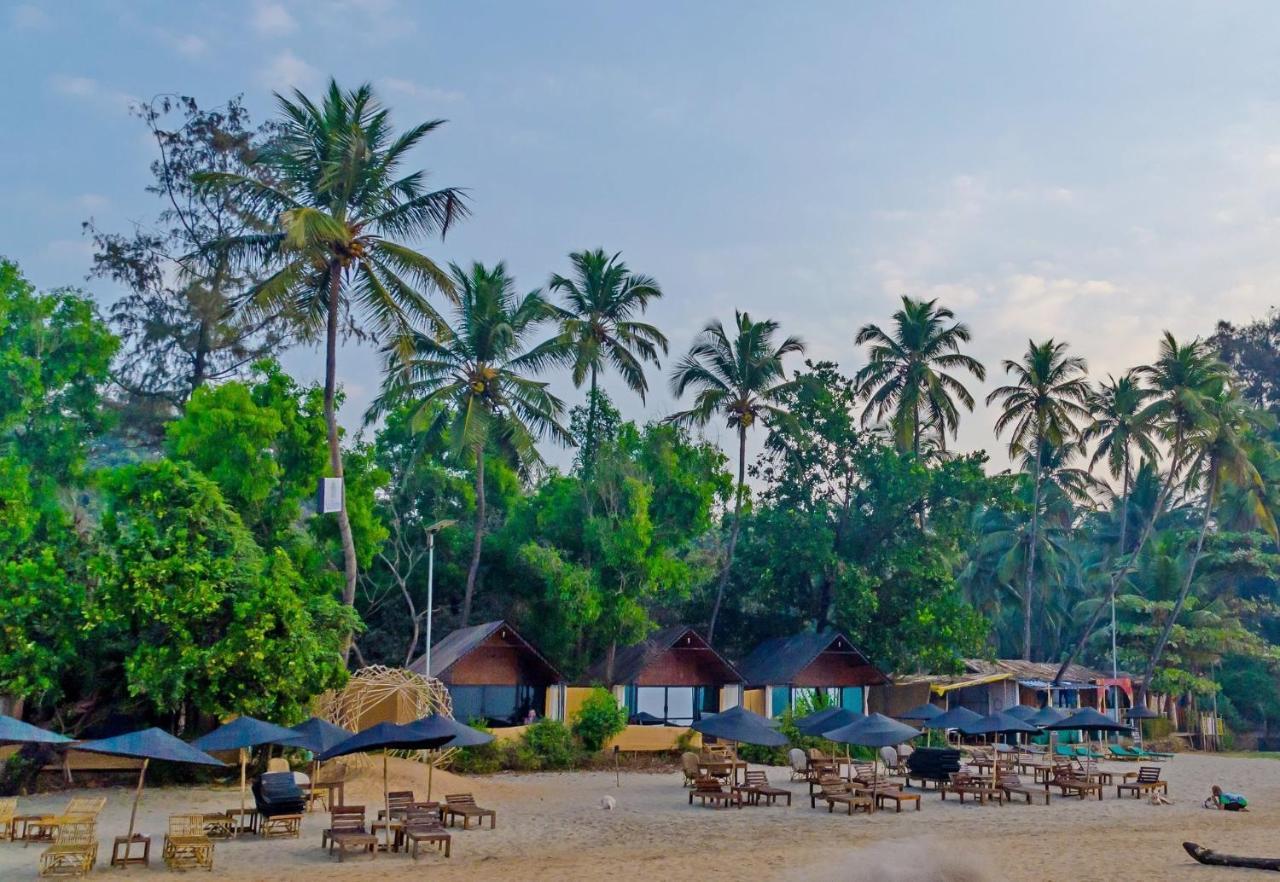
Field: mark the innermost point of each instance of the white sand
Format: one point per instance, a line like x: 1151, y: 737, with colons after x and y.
x: 550, y: 827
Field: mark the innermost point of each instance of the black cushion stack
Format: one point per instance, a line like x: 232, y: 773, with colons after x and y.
x: 277, y: 793
x: 933, y: 763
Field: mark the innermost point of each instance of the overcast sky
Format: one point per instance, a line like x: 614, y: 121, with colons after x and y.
x: 1091, y: 171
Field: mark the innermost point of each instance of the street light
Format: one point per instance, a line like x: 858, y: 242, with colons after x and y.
x: 431, y: 568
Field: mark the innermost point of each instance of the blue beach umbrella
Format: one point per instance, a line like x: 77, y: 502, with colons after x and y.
x: 742, y: 726
x: 146, y: 745
x: 921, y: 712
x: 13, y: 731
x: 241, y: 734
x: 317, y: 735
x: 953, y: 719
x: 826, y: 720
x: 1022, y: 711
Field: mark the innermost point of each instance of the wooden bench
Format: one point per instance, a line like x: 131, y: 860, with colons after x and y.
x: 757, y: 786
x: 186, y: 847
x: 836, y: 792
x: 1148, y: 780
x: 962, y: 785
x: 1073, y: 785
x: 898, y: 796
x: 423, y: 827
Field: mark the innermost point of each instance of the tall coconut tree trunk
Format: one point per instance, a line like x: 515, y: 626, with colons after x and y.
x: 335, y: 448
x: 1186, y: 586
x: 1031, y: 558
x: 733, y: 533
x: 1111, y: 588
x: 589, y: 459
x: 478, y: 543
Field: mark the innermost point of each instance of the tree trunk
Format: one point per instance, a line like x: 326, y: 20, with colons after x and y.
x: 1111, y: 588
x: 733, y: 533
x: 1213, y: 859
x: 335, y: 449
x: 1031, y: 560
x: 1186, y: 585
x: 609, y: 658
x: 478, y: 542
x: 589, y: 455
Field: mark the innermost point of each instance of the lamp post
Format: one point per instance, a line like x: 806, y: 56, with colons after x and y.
x: 431, y: 568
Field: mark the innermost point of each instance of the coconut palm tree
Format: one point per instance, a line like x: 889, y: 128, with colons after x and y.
x: 601, y: 301
x: 333, y: 209
x: 1218, y: 454
x: 742, y: 380
x: 473, y: 377
x: 1121, y: 426
x: 1041, y: 409
x: 905, y: 378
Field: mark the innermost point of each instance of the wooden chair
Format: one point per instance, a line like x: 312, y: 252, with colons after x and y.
x: 186, y: 847
x: 799, y: 765
x: 347, y: 831
x: 757, y: 786
x: 8, y: 812
x: 423, y: 827
x: 709, y: 790
x: 43, y: 828
x: 1148, y: 781
x: 74, y: 850
x: 1010, y: 783
x: 963, y: 784
x: 865, y: 773
x: 835, y: 792
x: 1072, y: 784
x: 398, y: 801
x: 463, y: 805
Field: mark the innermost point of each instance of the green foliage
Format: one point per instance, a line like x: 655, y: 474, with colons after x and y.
x: 598, y: 719
x: 551, y: 742
x: 189, y: 610
x: 483, y: 759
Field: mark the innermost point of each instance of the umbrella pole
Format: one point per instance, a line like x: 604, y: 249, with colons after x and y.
x: 431, y: 767
x: 244, y: 761
x: 137, y: 795
x: 315, y: 773
x: 386, y: 798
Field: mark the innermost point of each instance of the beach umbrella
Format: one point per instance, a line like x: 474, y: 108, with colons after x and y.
x: 873, y: 730
x: 1045, y: 717
x: 317, y: 735
x: 241, y: 734
x: 427, y: 733
x: 742, y: 726
x: 1090, y: 720
x: 1022, y: 711
x: 952, y: 719
x: 920, y: 712
x: 147, y: 745
x: 998, y: 723
x: 826, y: 720
x: 13, y: 731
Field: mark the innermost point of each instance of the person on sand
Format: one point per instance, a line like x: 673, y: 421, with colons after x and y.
x: 1227, y: 802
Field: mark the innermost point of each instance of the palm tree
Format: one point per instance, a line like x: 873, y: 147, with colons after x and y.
x: 905, y: 376
x: 1042, y: 408
x: 472, y: 378
x: 333, y: 209
x: 1121, y: 426
x: 741, y: 380
x: 1218, y: 454
x: 601, y: 301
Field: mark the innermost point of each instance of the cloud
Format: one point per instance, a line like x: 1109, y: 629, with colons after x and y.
x: 288, y: 71
x: 28, y: 17
x: 272, y: 20
x: 92, y: 91
x: 189, y: 45
x: 411, y: 89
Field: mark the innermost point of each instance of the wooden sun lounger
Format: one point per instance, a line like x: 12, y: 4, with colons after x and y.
x: 74, y: 850
x: 463, y: 805
x: 757, y: 786
x: 709, y: 790
x: 963, y: 785
x: 1012, y: 785
x: 1073, y: 785
x: 347, y: 832
x: 1148, y: 780
x: 835, y: 792
x: 423, y: 827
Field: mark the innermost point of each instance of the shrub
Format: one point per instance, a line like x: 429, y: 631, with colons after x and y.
x: 484, y: 759
x: 551, y: 743
x: 599, y: 719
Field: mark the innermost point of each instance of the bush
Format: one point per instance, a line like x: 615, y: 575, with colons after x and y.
x: 599, y: 719
x: 551, y: 743
x: 484, y: 759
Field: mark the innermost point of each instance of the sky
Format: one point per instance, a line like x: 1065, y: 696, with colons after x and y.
x: 1091, y: 172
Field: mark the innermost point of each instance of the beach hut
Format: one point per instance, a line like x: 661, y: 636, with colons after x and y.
x: 781, y: 672
x: 494, y: 674
x: 673, y: 675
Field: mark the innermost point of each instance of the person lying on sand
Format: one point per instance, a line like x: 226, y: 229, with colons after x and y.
x: 1227, y: 802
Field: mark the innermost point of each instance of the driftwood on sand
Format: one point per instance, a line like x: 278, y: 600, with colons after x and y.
x: 1206, y: 856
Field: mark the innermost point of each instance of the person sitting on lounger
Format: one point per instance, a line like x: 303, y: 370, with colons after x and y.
x: 1227, y: 802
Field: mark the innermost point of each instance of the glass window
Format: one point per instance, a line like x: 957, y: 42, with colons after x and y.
x: 468, y: 703
x: 680, y: 705
x: 652, y: 700
x: 853, y: 698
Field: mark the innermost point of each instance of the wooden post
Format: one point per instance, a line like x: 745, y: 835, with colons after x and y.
x: 244, y: 761
x: 137, y: 795
x: 386, y: 798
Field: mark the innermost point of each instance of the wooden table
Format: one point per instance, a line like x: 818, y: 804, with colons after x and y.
x: 330, y: 788
x: 122, y: 851
x: 729, y: 768
x: 243, y: 820
x: 396, y: 836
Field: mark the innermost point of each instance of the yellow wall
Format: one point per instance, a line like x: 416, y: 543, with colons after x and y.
x: 573, y: 699
x: 753, y: 700
x: 653, y: 738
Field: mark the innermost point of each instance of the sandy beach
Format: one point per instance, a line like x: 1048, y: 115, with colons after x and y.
x: 551, y: 827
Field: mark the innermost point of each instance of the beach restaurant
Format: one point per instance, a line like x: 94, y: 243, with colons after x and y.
x: 672, y: 677
x: 494, y: 674
x: 989, y: 686
x: 785, y: 670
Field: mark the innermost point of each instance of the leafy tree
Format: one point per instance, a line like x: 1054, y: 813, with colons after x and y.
x: 472, y: 379
x: 189, y: 611
x: 328, y: 192
x: 1042, y: 407
x: 178, y: 321
x: 741, y: 380
x: 906, y: 376
x: 601, y: 301
x: 598, y: 719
